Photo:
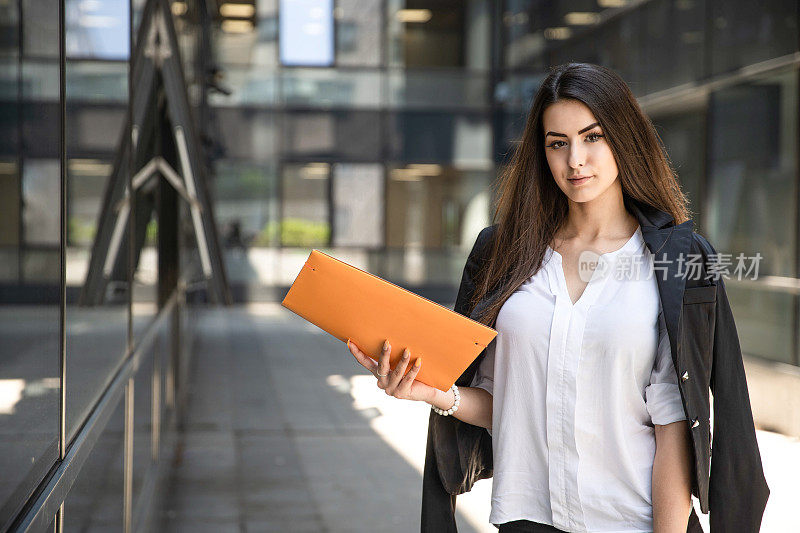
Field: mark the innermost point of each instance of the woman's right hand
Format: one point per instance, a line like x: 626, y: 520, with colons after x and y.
x: 395, y: 383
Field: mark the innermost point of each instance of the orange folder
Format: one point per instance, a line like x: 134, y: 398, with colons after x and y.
x: 350, y: 303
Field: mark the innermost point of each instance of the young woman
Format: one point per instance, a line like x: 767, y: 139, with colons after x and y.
x: 594, y: 394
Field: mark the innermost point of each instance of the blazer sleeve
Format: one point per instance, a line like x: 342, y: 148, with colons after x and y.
x: 467, y: 286
x: 738, y: 490
x: 448, y: 436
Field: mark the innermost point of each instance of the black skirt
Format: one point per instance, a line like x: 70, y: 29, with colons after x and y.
x: 527, y: 526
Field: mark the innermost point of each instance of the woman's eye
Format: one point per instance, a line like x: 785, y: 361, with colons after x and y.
x: 592, y: 137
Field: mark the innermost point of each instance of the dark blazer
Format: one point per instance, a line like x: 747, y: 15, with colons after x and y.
x: 706, y: 354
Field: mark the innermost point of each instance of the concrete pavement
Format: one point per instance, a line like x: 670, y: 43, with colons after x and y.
x: 285, y: 432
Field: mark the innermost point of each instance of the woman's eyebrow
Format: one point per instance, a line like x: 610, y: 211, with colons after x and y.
x: 587, y: 128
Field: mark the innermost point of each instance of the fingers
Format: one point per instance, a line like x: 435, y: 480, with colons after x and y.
x: 383, y: 365
x: 397, y: 374
x: 393, y: 382
x: 361, y: 357
x: 404, y: 387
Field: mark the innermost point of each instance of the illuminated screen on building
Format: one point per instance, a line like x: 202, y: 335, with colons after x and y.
x: 306, y: 32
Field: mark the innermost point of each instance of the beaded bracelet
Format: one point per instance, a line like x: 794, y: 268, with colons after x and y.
x: 455, y: 405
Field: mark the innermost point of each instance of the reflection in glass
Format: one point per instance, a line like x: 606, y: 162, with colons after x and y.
x: 751, y: 32
x: 752, y: 167
x: 246, y: 210
x: 440, y: 137
x: 669, y: 33
x: 752, y: 193
x: 39, y: 29
x: 330, y: 87
x: 41, y: 189
x: 144, y: 286
x: 436, y: 212
x: 143, y: 416
x: 436, y: 89
x: 357, y: 190
x: 427, y: 34
x: 358, y: 33
x: 95, y: 501
x: 346, y: 134
x: 30, y: 264
x: 95, y: 82
x: 96, y: 335
x: 683, y: 137
x: 306, y: 32
x: 251, y: 136
x: 305, y: 219
x: 97, y: 29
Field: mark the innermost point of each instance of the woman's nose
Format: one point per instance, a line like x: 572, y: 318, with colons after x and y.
x: 577, y: 156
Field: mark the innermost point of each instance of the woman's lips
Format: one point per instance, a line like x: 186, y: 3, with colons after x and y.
x: 579, y: 180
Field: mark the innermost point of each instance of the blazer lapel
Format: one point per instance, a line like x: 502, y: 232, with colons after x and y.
x: 670, y: 246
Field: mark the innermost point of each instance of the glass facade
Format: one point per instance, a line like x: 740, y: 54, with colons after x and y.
x: 379, y: 145
x: 88, y: 383
x: 30, y: 233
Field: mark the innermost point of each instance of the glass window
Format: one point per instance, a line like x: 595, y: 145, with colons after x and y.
x: 435, y: 206
x: 357, y: 204
x: 437, y: 211
x: 9, y: 205
x: 41, y: 193
x: 96, y: 29
x: 247, y: 134
x: 436, y: 89
x: 39, y: 30
x: 30, y: 265
x: 358, y: 32
x: 255, y: 86
x: 439, y: 137
x: 9, y: 105
x: 95, y: 502
x: 331, y: 87
x: 306, y: 32
x: 265, y: 51
x: 683, y: 134
x: 97, y: 335
x: 426, y: 34
x: 305, y: 217
x: 670, y: 32
x: 523, y: 25
x: 29, y: 352
x: 246, y: 209
x: 39, y: 135
x: 310, y: 133
x: 752, y: 194
x: 751, y: 32
x: 245, y: 196
x: 352, y: 135
x: 95, y: 82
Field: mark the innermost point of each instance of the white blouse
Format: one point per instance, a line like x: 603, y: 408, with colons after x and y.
x: 577, y: 389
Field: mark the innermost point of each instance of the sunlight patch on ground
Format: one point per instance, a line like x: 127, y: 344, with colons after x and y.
x: 403, y: 425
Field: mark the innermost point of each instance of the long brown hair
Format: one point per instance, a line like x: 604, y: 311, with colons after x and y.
x: 531, y: 208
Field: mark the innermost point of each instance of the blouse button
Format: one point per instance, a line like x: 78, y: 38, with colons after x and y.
x: 685, y: 376
x: 695, y: 422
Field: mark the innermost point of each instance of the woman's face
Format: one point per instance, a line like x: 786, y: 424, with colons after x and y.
x: 575, y: 146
